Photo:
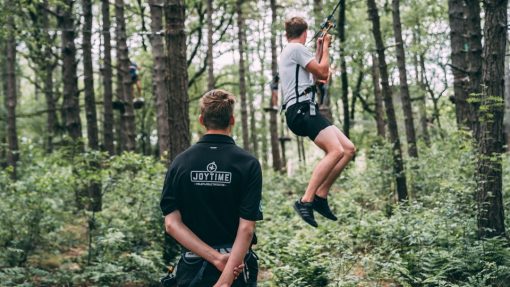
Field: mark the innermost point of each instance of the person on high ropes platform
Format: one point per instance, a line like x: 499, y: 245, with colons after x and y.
x: 299, y: 70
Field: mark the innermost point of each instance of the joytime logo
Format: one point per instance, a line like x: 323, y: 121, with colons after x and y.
x: 211, y: 176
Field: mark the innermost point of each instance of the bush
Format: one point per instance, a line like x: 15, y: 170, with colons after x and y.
x: 430, y: 241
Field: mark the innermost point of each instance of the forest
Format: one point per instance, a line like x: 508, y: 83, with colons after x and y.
x: 99, y: 96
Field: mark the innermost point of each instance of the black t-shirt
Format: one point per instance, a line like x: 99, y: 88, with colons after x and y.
x: 213, y: 184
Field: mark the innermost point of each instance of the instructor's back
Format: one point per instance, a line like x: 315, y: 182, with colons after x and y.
x: 211, y: 201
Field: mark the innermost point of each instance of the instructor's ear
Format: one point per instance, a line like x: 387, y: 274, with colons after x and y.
x: 232, y: 121
x: 201, y: 120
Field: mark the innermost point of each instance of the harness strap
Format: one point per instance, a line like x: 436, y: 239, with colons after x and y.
x: 297, y: 82
x: 223, y: 249
x: 199, y: 276
x: 296, y: 97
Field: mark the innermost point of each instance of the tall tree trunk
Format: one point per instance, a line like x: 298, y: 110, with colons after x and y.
x: 465, y: 37
x: 3, y: 112
x: 108, y: 118
x: 159, y: 86
x: 251, y: 100
x: 210, y: 59
x: 356, y: 92
x: 94, y: 187
x: 119, y: 122
x: 142, y: 20
x: 398, y: 164
x: 71, y: 103
x: 507, y: 101
x: 490, y: 143
x: 456, y: 15
x: 11, y: 96
x: 422, y: 104
x: 52, y: 120
x: 242, y: 83
x: 177, y: 77
x: 273, y: 123
x: 128, y: 117
x: 379, y: 108
x: 343, y: 69
x: 435, y: 100
x: 412, y: 149
x: 90, y: 99
x: 71, y: 107
x: 474, y: 54
x: 261, y: 53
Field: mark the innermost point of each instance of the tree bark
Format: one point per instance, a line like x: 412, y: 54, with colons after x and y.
x: 107, y: 80
x: 490, y: 143
x: 177, y: 77
x: 94, y: 187
x: 11, y: 96
x: 456, y: 16
x: 210, y: 59
x: 128, y: 116
x: 507, y: 102
x: 159, y: 86
x: 474, y: 55
x: 48, y: 65
x: 261, y: 53
x: 273, y: 123
x: 465, y: 37
x: 90, y: 98
x: 379, y: 108
x: 412, y: 149
x: 343, y: 69
x: 398, y: 164
x: 142, y: 20
x: 254, y: 136
x: 71, y: 109
x: 356, y: 93
x: 242, y: 83
x: 420, y: 75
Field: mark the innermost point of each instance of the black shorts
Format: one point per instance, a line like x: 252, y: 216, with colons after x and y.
x: 188, y: 270
x: 302, y: 124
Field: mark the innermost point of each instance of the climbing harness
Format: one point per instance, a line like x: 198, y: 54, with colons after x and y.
x: 192, y: 258
x: 302, y: 97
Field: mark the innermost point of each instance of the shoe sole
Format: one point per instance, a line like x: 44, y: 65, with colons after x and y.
x: 319, y: 212
x: 299, y: 213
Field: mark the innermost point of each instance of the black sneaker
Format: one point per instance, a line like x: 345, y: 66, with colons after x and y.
x: 305, y: 210
x: 321, y: 206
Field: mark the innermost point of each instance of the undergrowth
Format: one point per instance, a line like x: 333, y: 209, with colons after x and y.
x: 429, y: 241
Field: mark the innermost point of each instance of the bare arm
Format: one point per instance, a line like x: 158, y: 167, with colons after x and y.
x: 242, y: 243
x: 178, y: 230
x: 320, y: 66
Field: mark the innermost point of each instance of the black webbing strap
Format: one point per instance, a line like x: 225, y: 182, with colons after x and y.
x: 297, y: 83
x: 310, y: 89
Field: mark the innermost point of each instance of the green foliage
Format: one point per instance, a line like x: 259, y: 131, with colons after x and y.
x: 430, y: 241
x: 48, y: 241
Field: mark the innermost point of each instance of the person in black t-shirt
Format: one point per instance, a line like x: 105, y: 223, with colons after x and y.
x: 211, y: 200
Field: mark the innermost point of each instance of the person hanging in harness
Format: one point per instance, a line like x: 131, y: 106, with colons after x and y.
x: 135, y: 80
x: 299, y: 70
x: 211, y: 200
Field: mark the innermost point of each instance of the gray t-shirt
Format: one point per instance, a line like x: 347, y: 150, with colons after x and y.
x: 293, y: 54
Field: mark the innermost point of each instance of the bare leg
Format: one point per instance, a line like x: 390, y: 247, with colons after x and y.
x: 328, y: 141
x: 139, y: 88
x: 349, y: 151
